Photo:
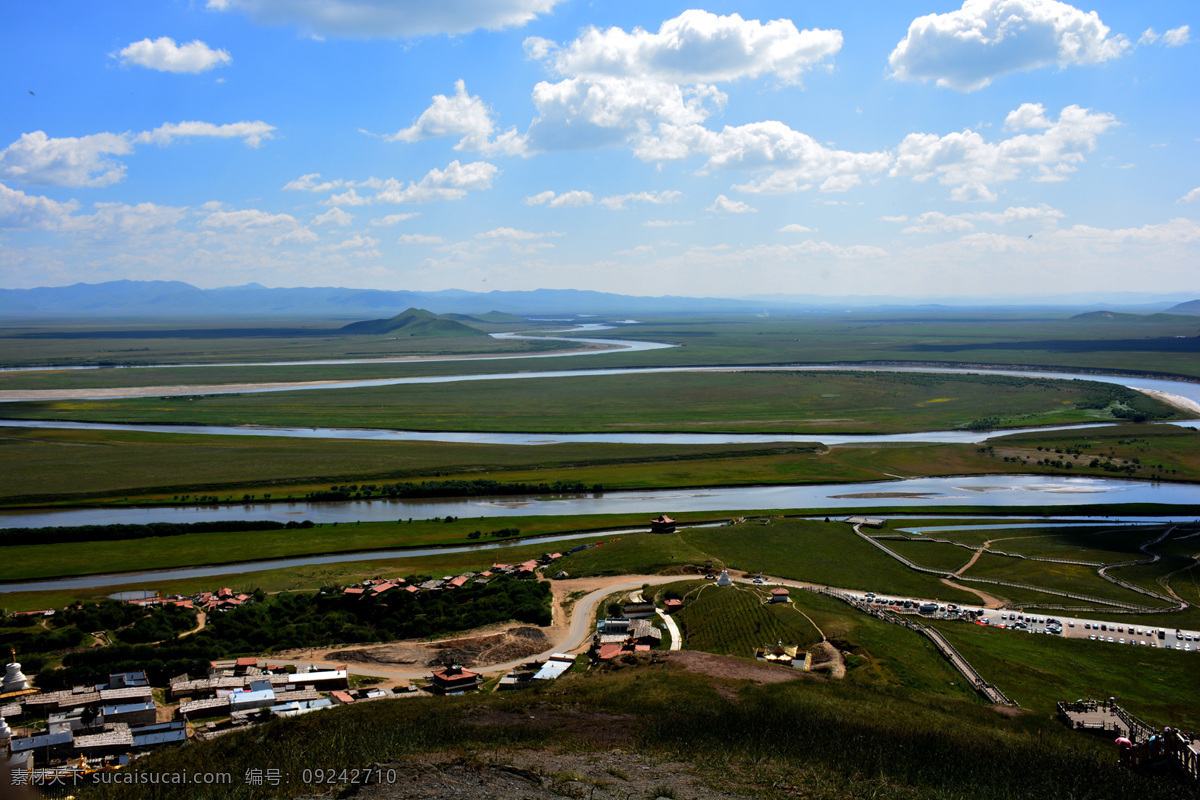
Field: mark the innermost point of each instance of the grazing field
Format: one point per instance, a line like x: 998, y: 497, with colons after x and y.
x: 1062, y: 577
x: 747, y: 402
x: 1156, y: 684
x: 936, y: 555
x: 736, y: 620
x: 35, y: 561
x: 215, y: 341
x: 97, y: 467
x: 633, y: 553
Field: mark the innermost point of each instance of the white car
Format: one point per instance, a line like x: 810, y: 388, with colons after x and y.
x: 1092, y: 637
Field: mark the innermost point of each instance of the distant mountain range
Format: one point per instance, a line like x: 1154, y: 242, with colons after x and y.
x: 175, y: 299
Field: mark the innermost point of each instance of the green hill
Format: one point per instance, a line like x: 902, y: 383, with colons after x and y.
x: 413, y: 322
x: 491, y: 316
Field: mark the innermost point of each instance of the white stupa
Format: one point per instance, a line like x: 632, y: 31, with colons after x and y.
x: 14, y: 679
x: 5, y: 734
x: 724, y: 579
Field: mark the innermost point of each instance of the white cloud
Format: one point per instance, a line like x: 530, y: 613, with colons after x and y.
x: 617, y: 85
x: 968, y: 48
x: 334, y: 216
x: 419, y: 238
x: 792, y: 161
x: 513, y: 234
x: 936, y: 222
x: 797, y: 228
x: 640, y: 250
x: 358, y: 242
x: 1172, y: 38
x: 20, y: 210
x: 617, y: 202
x: 388, y: 19
x: 392, y: 219
x: 695, y: 47
x: 37, y: 159
x: 452, y: 183
x: 164, y: 55
x: 723, y: 205
x: 666, y: 223
x: 572, y: 199
x: 465, y: 116
x: 347, y: 198
x: 252, y: 133
x: 247, y: 219
x: 1177, y: 36
x: 969, y: 163
x: 1191, y: 196
x: 308, y: 183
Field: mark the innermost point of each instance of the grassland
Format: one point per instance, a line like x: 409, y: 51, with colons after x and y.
x: 1048, y: 575
x: 32, y: 562
x: 745, y: 402
x: 1037, y: 671
x: 936, y: 555
x: 214, y: 341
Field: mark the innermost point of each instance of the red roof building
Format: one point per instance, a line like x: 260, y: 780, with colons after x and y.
x: 453, y: 680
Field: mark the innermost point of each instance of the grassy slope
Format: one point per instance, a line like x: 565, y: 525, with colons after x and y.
x: 734, y: 620
x: 1037, y: 671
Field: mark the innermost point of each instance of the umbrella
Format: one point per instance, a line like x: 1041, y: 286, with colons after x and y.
x: 1124, y: 742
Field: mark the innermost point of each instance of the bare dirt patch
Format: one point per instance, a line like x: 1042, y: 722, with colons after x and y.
x: 727, y: 668
x: 826, y: 657
x: 508, y: 645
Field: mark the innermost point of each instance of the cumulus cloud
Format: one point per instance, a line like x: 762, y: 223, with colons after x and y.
x: 452, y: 183
x: 617, y: 85
x: 349, y: 197
x: 1191, y: 196
x: 465, y: 116
x: 723, y: 205
x: 572, y: 199
x: 164, y: 55
x: 252, y: 133
x: 666, y: 223
x: 789, y: 160
x: 37, y: 159
x: 19, y: 210
x: 970, y: 163
x: 966, y: 49
x: 617, y: 202
x: 247, y: 219
x: 334, y: 216
x: 797, y: 228
x: 357, y: 242
x: 418, y: 238
x: 513, y: 234
x: 695, y: 47
x: 388, y: 19
x: 1172, y: 38
x: 392, y: 219
x: 309, y: 183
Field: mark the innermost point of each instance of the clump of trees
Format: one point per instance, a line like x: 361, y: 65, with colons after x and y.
x: 107, y: 533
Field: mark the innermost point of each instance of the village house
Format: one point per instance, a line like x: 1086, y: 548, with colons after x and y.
x: 780, y: 595
x: 453, y: 680
x: 663, y: 524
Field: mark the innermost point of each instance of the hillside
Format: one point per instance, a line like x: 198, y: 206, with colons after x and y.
x: 1190, y: 307
x: 683, y: 725
x: 413, y: 322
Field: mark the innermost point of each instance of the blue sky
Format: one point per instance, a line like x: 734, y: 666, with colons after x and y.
x: 905, y: 148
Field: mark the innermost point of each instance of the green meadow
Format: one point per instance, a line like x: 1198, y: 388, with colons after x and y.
x: 737, y: 402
